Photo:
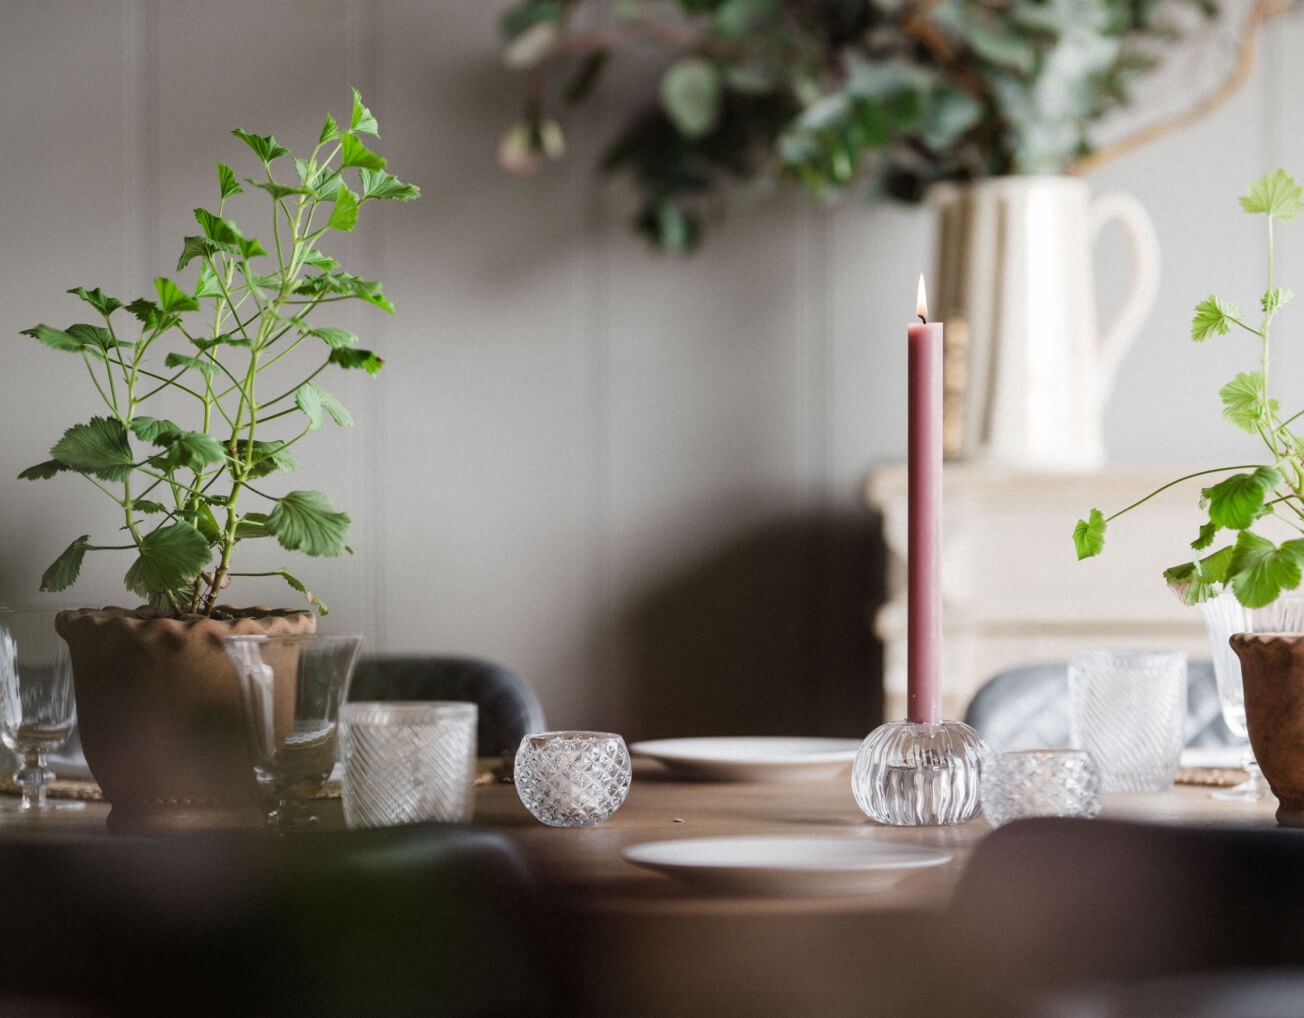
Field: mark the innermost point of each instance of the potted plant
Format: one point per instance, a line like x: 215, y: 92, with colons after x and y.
x: 823, y: 95
x: 1254, y: 518
x: 196, y: 425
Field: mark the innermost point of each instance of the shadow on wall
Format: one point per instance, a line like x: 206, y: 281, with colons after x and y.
x: 767, y: 635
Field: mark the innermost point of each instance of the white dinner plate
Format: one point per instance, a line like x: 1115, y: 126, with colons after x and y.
x: 753, y: 758
x: 772, y: 865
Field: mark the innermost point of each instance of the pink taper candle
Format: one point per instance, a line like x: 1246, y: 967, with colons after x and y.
x: 924, y: 542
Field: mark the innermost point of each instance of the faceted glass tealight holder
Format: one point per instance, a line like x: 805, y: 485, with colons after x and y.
x: 1040, y: 783
x: 919, y: 774
x: 572, y: 779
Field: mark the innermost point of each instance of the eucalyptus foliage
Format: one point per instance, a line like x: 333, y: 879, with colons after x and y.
x: 822, y: 93
x: 190, y: 491
x: 1256, y: 567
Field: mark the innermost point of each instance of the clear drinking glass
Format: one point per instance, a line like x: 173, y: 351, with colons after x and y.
x: 572, y: 779
x: 408, y: 762
x: 1040, y: 783
x: 1223, y: 616
x: 1128, y: 710
x: 291, y: 688
x: 37, y: 705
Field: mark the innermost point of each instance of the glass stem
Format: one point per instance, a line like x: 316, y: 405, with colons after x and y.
x: 31, y: 779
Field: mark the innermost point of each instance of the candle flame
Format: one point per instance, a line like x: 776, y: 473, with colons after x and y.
x: 921, y: 304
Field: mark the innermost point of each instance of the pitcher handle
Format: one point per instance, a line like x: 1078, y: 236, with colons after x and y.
x: 1126, y: 325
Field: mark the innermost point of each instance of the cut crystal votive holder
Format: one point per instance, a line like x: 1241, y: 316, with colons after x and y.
x: 1040, y: 783
x: 572, y: 779
x: 408, y: 762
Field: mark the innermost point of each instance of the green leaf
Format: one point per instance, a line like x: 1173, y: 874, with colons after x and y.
x: 691, y: 96
x: 148, y: 507
x: 180, y: 360
x: 63, y: 571
x: 329, y: 132
x: 1277, y: 196
x: 308, y: 595
x: 99, y: 448
x: 1213, y: 315
x: 209, y: 285
x: 306, y: 521
x: 227, y: 182
x: 362, y: 121
x: 1234, y: 503
x: 333, y: 337
x: 197, y: 247
x: 345, y: 215
x: 1260, y: 570
x: 169, y: 557
x: 585, y: 79
x: 55, y: 339
x: 264, y: 146
x: 1200, y: 582
x: 308, y: 399
x: 1245, y: 402
x: 217, y: 229
x: 149, y: 428
x: 97, y: 299
x: 1207, y: 534
x: 312, y: 400
x: 344, y: 283
x: 318, y: 260
x: 277, y: 191
x: 266, y: 458
x: 1089, y: 535
x: 190, y: 450
x: 251, y: 526
x: 352, y: 357
x: 42, y: 471
x: 379, y: 184
x: 250, y: 247
x: 1276, y: 299
x: 95, y: 337
x: 172, y: 299
x: 357, y: 154
x: 206, y: 523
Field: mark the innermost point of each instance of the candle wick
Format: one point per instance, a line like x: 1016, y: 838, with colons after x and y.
x: 924, y: 319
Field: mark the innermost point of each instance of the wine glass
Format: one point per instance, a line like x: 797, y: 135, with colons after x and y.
x: 37, y: 706
x: 291, y: 688
x: 1223, y: 616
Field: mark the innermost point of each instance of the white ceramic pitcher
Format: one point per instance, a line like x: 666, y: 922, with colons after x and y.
x: 1028, y: 372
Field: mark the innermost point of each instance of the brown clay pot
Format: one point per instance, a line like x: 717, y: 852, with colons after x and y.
x: 160, y: 717
x: 1272, y: 670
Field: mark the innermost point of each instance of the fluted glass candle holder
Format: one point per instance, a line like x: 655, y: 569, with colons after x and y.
x: 920, y: 774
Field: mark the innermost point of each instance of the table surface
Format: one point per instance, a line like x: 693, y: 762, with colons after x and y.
x: 651, y: 944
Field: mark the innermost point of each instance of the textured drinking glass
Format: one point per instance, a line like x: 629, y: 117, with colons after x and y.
x: 1224, y: 615
x: 572, y: 779
x: 1040, y: 783
x: 919, y: 774
x: 408, y: 762
x: 1128, y: 710
x: 291, y: 688
x: 37, y: 706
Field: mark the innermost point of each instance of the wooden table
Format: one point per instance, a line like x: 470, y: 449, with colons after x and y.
x: 631, y: 942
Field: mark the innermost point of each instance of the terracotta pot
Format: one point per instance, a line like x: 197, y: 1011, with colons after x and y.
x: 1272, y: 670
x: 159, y: 713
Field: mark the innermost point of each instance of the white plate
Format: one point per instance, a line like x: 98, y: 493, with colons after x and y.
x: 762, y: 864
x: 754, y: 758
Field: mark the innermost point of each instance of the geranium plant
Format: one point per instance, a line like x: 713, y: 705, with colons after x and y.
x: 193, y: 486
x: 1255, y: 496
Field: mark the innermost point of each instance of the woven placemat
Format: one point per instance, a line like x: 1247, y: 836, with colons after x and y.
x: 1211, y: 777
